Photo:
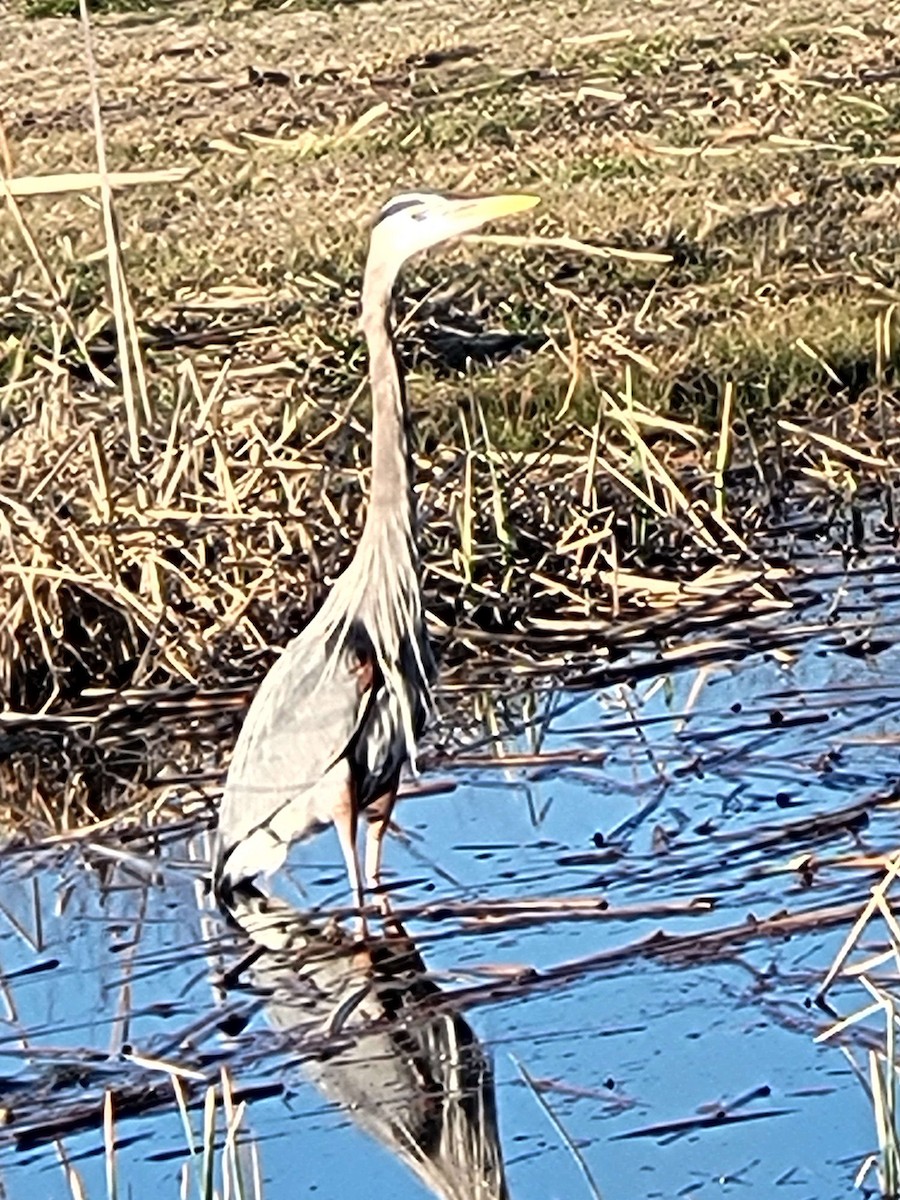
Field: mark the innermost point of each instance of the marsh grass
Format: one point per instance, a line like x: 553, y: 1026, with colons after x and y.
x: 222, y: 1163
x: 694, y: 343
x: 867, y: 963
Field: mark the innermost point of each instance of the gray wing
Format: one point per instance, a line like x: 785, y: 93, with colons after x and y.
x: 290, y: 762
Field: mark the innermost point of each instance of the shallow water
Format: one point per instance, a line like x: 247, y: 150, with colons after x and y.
x: 681, y: 1066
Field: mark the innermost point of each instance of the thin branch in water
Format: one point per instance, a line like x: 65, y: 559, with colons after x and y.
x: 554, y: 1120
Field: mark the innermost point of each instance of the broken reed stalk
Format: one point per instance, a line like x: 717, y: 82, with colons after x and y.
x: 723, y: 448
x: 126, y: 330
x: 109, y: 1146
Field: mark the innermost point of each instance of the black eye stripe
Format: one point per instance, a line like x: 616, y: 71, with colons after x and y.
x: 395, y: 206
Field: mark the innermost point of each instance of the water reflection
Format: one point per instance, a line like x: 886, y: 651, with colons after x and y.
x: 644, y: 887
x: 407, y: 1070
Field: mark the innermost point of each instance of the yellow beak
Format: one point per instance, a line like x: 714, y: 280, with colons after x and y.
x: 472, y: 211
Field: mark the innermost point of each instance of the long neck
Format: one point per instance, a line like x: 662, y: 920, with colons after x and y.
x: 381, y: 585
x: 390, y: 499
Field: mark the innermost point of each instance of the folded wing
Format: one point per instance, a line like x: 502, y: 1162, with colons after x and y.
x: 291, y: 763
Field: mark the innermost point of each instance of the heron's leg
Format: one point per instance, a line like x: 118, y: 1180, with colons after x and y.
x: 378, y: 814
x: 345, y: 816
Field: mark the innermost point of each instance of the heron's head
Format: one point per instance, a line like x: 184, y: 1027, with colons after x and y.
x: 415, y: 221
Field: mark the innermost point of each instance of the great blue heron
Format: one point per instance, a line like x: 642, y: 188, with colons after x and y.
x: 340, y: 712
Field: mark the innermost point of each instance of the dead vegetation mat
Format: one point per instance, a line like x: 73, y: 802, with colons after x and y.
x: 627, y: 418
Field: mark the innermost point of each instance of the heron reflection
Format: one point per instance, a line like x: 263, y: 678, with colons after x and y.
x: 375, y: 1040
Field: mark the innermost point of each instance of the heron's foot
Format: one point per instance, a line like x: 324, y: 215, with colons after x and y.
x: 332, y: 932
x: 381, y: 898
x: 360, y: 927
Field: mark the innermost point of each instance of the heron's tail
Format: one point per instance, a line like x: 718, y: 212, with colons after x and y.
x: 236, y: 864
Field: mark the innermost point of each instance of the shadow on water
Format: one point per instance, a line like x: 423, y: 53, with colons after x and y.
x: 613, y: 910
